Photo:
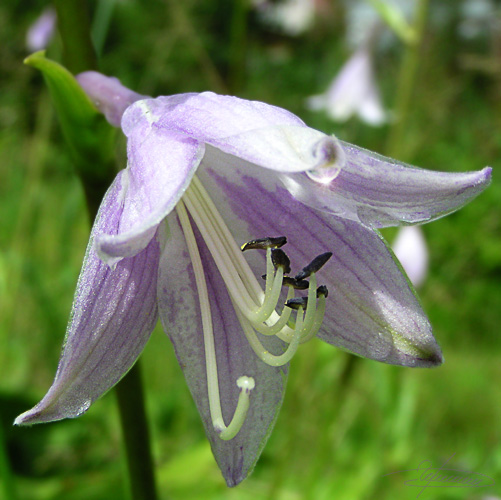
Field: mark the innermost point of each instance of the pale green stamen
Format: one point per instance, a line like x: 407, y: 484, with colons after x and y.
x: 274, y: 282
x: 255, y: 309
x: 262, y: 352
x: 246, y: 384
x: 281, y: 322
x: 311, y: 310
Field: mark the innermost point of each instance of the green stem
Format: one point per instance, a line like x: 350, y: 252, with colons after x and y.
x: 7, y: 488
x: 238, y: 45
x: 101, y: 23
x: 406, y: 82
x: 74, y: 25
x: 136, y: 435
x: 79, y: 55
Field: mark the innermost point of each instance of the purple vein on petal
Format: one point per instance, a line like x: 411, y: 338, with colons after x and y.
x: 303, y: 238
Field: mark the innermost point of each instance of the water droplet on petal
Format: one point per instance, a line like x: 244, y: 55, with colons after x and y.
x: 332, y: 159
x: 83, y: 408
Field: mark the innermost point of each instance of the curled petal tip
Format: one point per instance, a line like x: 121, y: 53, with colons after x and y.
x: 419, y: 356
x: 487, y: 174
x: 108, y: 94
x: 435, y: 359
x: 331, y: 159
x: 428, y: 358
x: 54, y: 407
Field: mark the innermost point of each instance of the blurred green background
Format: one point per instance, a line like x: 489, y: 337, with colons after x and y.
x: 346, y: 422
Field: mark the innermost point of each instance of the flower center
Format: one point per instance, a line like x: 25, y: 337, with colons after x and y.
x: 256, y: 309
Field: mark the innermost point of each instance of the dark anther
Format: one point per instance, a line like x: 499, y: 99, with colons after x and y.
x: 288, y: 281
x: 280, y: 259
x: 322, y: 290
x: 297, y: 284
x: 264, y: 243
x: 313, y: 266
x: 297, y: 302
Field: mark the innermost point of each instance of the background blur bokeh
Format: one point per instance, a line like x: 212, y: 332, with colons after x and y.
x: 346, y: 422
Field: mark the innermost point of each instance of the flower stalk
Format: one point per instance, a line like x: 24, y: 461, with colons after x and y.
x: 406, y: 81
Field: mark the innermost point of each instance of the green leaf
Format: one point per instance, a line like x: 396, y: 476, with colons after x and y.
x: 89, y: 136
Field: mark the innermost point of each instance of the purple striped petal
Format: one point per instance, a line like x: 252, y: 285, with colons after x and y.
x: 265, y: 135
x: 381, y: 192
x: 160, y: 166
x: 371, y: 309
x: 180, y: 314
x: 114, y: 312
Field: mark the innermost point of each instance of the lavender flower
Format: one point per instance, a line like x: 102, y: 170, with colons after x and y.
x: 207, y: 177
x: 352, y: 92
x: 411, y: 250
x: 292, y: 17
x: 40, y: 33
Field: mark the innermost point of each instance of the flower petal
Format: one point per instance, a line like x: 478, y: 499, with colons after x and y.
x: 180, y: 314
x: 371, y: 109
x: 160, y: 166
x: 265, y: 135
x: 41, y: 32
x: 381, y: 192
x: 371, y: 309
x: 350, y: 86
x: 114, y: 312
x: 108, y: 94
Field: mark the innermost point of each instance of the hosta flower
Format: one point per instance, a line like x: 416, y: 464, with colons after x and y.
x: 40, y: 33
x: 352, y: 92
x: 411, y: 250
x: 207, y: 177
x: 292, y: 17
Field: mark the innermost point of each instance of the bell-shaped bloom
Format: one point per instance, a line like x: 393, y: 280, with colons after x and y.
x: 410, y: 249
x: 40, y: 33
x: 209, y: 176
x: 353, y: 92
x: 292, y: 17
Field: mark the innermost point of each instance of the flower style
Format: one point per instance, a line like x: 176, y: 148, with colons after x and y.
x: 207, y: 177
x: 352, y: 92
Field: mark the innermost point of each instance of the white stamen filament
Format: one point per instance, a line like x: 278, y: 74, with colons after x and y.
x: 229, y: 259
x: 255, y: 309
x: 246, y: 384
x: 264, y: 354
x: 274, y: 283
x: 311, y: 310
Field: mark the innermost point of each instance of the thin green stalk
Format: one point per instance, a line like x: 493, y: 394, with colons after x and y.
x: 101, y: 23
x: 74, y: 26
x: 7, y: 488
x: 238, y: 45
x: 136, y: 436
x: 407, y: 81
x: 79, y: 55
x: 189, y: 33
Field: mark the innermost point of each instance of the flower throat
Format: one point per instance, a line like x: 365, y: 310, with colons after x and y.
x: 255, y: 308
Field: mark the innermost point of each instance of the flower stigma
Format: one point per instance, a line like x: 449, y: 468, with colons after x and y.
x: 255, y: 308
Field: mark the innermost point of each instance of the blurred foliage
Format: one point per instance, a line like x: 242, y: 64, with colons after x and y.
x: 346, y: 422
